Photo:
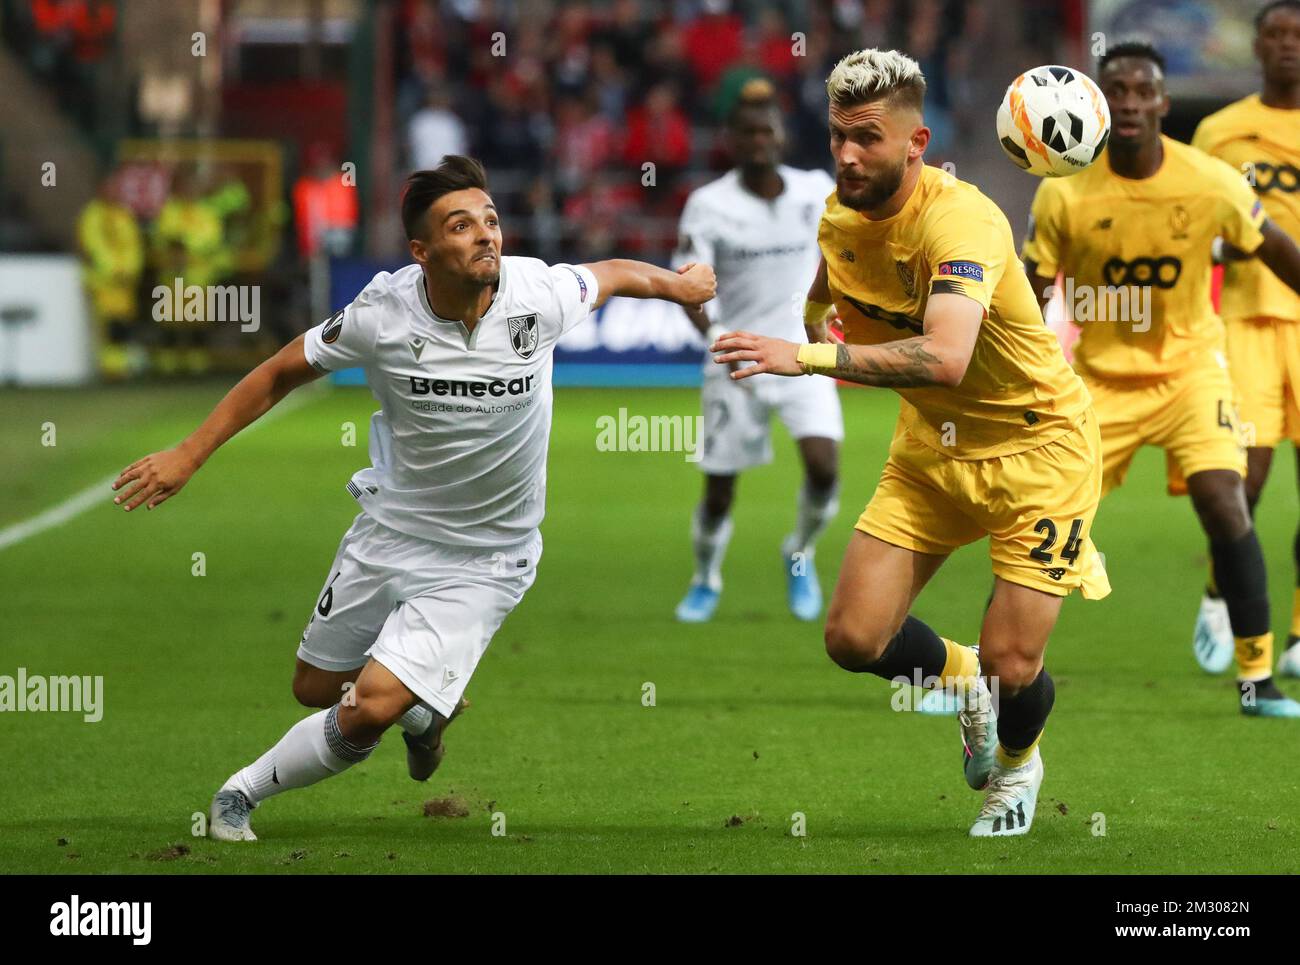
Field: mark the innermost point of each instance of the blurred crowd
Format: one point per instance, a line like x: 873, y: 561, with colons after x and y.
x: 582, y: 96
x: 594, y: 119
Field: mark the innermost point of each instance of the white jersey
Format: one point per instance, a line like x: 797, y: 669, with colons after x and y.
x: 764, y: 253
x: 458, y: 449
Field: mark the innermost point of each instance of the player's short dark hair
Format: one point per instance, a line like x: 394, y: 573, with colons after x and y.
x: 1131, y: 48
x: 1264, y: 11
x: 423, y: 188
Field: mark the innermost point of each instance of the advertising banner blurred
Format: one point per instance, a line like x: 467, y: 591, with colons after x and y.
x: 1206, y: 43
x: 44, y: 335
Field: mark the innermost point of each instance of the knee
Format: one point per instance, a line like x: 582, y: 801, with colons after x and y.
x: 1223, y: 511
x: 854, y: 646
x: 368, y: 717
x: 718, y: 496
x: 821, y: 469
x: 311, y: 688
x: 822, y: 477
x: 1010, y: 672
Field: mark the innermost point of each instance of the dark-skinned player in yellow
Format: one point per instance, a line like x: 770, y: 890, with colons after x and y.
x: 996, y: 437
x: 1143, y: 217
x: 1259, y: 136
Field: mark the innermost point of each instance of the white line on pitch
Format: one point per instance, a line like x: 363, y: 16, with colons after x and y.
x: 97, y: 493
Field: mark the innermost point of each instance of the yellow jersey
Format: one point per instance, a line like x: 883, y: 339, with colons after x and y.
x: 1018, y: 392
x: 1148, y: 235
x: 1263, y: 145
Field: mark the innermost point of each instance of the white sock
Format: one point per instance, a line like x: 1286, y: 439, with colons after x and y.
x: 416, y: 720
x: 810, y: 520
x: 311, y: 750
x: 709, y: 538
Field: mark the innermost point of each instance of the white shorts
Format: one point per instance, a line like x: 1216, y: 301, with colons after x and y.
x: 424, y: 610
x: 738, y: 415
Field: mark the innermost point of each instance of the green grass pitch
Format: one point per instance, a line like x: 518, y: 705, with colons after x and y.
x: 751, y: 723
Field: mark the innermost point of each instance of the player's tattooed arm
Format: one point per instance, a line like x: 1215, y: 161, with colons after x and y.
x: 938, y: 356
x: 907, y: 363
x: 1280, y: 254
x: 157, y: 477
x: 692, y: 284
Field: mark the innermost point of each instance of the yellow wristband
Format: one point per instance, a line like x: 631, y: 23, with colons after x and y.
x: 815, y: 313
x: 817, y: 357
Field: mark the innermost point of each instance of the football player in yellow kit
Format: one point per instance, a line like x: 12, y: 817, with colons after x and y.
x: 996, y: 436
x: 1135, y: 229
x: 1259, y: 135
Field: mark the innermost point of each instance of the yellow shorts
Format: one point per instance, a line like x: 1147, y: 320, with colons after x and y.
x: 1264, y: 358
x: 1193, y: 417
x: 1036, y: 507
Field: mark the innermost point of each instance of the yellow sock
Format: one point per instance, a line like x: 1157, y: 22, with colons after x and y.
x: 1210, y: 586
x: 961, y: 668
x: 1255, y: 657
x: 1295, y: 613
x: 1010, y: 758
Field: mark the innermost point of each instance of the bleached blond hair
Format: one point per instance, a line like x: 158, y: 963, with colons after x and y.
x: 868, y: 75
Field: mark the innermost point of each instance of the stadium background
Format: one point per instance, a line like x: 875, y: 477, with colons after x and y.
x: 262, y: 145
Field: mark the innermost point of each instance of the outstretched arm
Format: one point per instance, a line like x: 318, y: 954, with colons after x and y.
x: 155, y: 478
x: 689, y: 285
x: 1279, y: 252
x: 938, y: 356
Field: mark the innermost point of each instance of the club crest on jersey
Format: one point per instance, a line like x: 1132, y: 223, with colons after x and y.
x: 908, y: 277
x: 523, y: 334
x: 1179, y: 220
x: 417, y: 347
x: 333, y: 327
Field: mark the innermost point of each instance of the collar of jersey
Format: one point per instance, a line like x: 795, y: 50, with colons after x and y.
x: 1165, y: 141
x: 471, y: 338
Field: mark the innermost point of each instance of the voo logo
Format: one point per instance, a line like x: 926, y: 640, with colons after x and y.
x: 1275, y: 177
x: 1159, y: 272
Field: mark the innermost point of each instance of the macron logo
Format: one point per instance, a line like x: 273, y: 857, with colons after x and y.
x: 74, y: 918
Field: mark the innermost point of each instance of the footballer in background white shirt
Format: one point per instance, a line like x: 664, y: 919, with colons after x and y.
x: 457, y: 350
x: 757, y: 227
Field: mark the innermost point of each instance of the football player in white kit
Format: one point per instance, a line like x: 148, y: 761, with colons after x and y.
x: 457, y: 350
x: 757, y: 227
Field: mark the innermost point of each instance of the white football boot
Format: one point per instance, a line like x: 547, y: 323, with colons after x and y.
x: 1212, y: 642
x: 228, y: 816
x: 1288, y: 665
x: 979, y: 735
x: 1012, y: 796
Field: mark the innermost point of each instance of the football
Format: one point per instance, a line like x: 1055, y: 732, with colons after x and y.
x: 1053, y: 121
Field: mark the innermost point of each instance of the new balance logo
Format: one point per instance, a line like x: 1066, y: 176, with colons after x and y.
x: 1056, y: 572
x: 1103, y: 224
x: 847, y: 255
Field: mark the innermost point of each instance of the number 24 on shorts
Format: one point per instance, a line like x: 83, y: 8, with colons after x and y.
x: 1069, y: 552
